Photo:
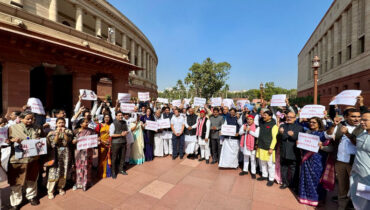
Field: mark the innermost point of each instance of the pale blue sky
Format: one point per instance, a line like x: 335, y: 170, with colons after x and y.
x: 261, y: 39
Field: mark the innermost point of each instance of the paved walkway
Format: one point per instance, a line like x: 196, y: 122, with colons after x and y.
x: 175, y: 184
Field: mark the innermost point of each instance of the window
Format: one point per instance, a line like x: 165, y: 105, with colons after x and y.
x: 361, y: 44
x: 329, y: 90
x: 339, y: 58
x: 357, y: 85
x: 349, y: 52
x: 326, y: 66
x: 345, y: 87
x: 336, y: 90
x: 332, y: 62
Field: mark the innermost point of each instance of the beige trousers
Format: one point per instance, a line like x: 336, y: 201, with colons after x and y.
x: 16, y: 192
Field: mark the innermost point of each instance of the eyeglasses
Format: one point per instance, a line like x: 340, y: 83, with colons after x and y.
x: 312, y: 122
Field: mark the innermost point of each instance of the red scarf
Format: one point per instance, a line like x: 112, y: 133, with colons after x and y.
x: 200, y: 126
x: 249, y: 139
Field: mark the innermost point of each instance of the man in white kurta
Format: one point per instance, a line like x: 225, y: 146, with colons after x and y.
x: 203, y: 129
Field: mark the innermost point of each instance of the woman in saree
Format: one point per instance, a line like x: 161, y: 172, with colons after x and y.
x: 59, y: 141
x: 311, y: 185
x: 137, y: 156
x: 84, y: 157
x: 104, y: 164
x: 148, y: 135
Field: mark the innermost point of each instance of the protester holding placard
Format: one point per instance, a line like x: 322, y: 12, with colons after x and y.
x: 148, y: 135
x: 137, y: 156
x: 104, y: 148
x: 177, y: 127
x: 230, y: 145
x: 84, y: 157
x: 167, y: 133
x: 59, y: 168
x: 158, y: 140
x: 289, y: 153
x: 23, y: 172
x: 266, y: 148
x: 203, y: 128
x: 191, y: 144
x: 311, y: 181
x: 249, y: 133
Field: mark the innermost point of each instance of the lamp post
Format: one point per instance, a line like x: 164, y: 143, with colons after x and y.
x: 261, y: 91
x: 315, y: 66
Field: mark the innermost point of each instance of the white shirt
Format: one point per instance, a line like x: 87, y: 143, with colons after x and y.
x: 177, y: 123
x: 345, y: 148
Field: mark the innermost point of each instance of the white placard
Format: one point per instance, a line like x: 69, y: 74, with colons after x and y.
x: 346, y: 97
x: 86, y: 142
x: 363, y: 191
x: 124, y: 97
x: 309, y: 111
x: 88, y: 95
x: 176, y: 102
x: 162, y: 100
x: 36, y: 106
x: 127, y: 108
x: 143, y: 96
x: 199, y: 101
x: 278, y: 100
x: 3, y: 135
x: 30, y: 148
x: 187, y: 101
x: 151, y: 125
x: 241, y: 103
x: 53, y: 122
x: 228, y: 102
x: 228, y: 130
x: 308, y: 142
x: 216, y: 101
x: 165, y: 123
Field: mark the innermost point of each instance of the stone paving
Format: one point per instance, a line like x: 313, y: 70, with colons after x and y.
x: 175, y: 184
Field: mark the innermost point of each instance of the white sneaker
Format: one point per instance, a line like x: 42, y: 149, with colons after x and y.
x: 51, y: 196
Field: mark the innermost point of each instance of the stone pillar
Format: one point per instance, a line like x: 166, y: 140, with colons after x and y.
x: 98, y: 27
x: 344, y: 36
x: 119, y: 84
x: 53, y: 10
x: 336, y: 43
x: 124, y: 41
x: 144, y: 64
x: 16, y: 85
x: 320, y: 55
x: 132, y: 54
x: 139, y: 59
x: 355, y: 19
x: 112, y: 35
x: 330, y: 46
x: 79, y: 23
x: 147, y: 66
x: 150, y: 68
x: 81, y: 80
x: 155, y: 73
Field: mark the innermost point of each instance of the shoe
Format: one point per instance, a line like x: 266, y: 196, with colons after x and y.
x: 262, y: 178
x: 243, y: 173
x: 62, y: 192
x: 200, y: 159
x: 213, y: 162
x: 283, y: 186
x: 34, y: 202
x: 123, y: 172
x: 270, y: 183
x: 253, y: 176
x: 207, y: 161
x: 334, y: 199
x: 114, y: 176
x: 50, y: 196
x: 14, y: 207
x: 190, y: 156
x: 74, y: 187
x: 174, y: 157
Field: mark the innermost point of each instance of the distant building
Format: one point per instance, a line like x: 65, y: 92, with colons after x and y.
x: 342, y: 42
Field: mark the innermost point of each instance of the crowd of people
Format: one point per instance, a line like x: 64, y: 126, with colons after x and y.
x: 264, y: 145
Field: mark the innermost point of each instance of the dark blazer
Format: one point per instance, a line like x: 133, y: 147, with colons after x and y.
x: 288, y: 147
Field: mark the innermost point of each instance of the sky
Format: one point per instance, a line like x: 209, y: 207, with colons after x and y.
x: 261, y: 39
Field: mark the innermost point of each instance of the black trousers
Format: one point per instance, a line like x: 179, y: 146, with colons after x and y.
x: 118, y: 157
x: 215, y: 149
x: 287, y: 165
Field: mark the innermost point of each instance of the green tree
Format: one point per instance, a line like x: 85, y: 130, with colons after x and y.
x: 208, y: 78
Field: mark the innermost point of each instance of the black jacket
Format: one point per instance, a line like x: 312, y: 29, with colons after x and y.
x: 288, y: 146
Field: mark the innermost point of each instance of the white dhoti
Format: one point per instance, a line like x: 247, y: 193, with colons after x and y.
x: 204, y: 148
x: 158, y: 145
x: 229, y: 153
x: 249, y: 155
x: 167, y: 142
x: 191, y: 145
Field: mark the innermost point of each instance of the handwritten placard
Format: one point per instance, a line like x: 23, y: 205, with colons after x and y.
x: 127, y: 108
x: 308, y: 142
x: 228, y: 102
x: 346, y: 97
x: 151, y: 125
x: 216, y: 101
x: 241, y: 103
x: 3, y: 135
x: 165, y: 123
x: 36, y: 106
x: 309, y: 111
x: 228, y: 130
x: 86, y: 142
x: 199, y: 101
x: 278, y: 100
x: 162, y: 100
x: 30, y: 148
x: 88, y: 95
x: 176, y: 103
x: 143, y: 96
x: 124, y: 97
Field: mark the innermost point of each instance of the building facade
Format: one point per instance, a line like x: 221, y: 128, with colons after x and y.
x: 50, y: 49
x: 342, y: 42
